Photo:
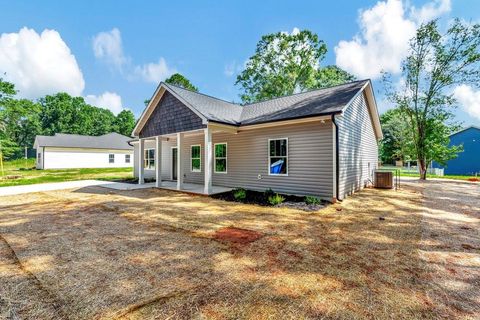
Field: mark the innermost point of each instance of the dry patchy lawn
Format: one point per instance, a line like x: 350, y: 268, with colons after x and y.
x: 155, y: 254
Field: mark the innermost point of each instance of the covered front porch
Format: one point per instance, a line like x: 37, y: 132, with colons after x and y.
x: 169, y: 160
x: 192, y: 188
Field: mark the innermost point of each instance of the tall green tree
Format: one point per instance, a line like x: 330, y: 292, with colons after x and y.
x: 62, y: 113
x: 7, y: 90
x: 331, y: 76
x: 179, y: 80
x: 125, y: 122
x: 285, y: 63
x: 22, y: 121
x: 435, y: 64
x: 7, y: 146
x: 397, y: 142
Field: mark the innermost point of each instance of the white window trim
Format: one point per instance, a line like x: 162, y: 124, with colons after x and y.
x: 215, y: 158
x: 145, y: 158
x: 268, y: 164
x: 111, y: 154
x: 199, y: 158
x: 129, y: 158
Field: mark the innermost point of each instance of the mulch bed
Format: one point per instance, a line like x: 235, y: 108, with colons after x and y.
x: 256, y: 197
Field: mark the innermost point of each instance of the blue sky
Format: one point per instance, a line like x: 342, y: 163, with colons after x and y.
x: 115, y: 52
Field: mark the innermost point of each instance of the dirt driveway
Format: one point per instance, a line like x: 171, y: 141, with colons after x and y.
x: 450, y: 245
x: 95, y: 253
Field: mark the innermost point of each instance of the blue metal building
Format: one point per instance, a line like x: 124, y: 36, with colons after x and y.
x: 468, y: 161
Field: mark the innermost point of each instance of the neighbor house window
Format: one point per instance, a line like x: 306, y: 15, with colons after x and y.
x: 220, y: 158
x: 278, y: 156
x: 149, y: 162
x: 127, y: 158
x: 111, y: 158
x: 195, y: 158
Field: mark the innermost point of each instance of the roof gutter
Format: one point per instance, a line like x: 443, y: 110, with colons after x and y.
x: 337, y: 170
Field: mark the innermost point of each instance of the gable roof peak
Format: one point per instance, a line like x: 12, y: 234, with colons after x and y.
x: 322, y: 101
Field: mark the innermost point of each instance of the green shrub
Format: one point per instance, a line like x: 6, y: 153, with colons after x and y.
x: 240, y: 194
x: 275, y: 199
x: 312, y: 200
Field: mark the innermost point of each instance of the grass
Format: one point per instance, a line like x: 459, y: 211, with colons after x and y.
x: 159, y: 254
x: 404, y: 173
x: 25, y: 174
x: 447, y: 176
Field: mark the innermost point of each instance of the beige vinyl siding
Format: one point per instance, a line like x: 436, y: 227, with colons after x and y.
x: 166, y: 159
x: 358, y: 148
x: 310, y: 159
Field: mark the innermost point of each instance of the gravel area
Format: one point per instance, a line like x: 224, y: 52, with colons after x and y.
x: 450, y: 246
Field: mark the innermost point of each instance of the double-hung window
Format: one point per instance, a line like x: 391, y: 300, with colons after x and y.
x: 220, y: 158
x: 278, y: 156
x: 195, y: 158
x: 111, y: 158
x: 149, y: 162
x: 127, y: 158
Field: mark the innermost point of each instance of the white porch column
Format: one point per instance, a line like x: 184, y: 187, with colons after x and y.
x: 179, y: 161
x: 208, y: 161
x: 158, y: 161
x: 141, y: 160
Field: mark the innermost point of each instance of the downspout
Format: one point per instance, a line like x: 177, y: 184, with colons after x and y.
x: 337, y: 171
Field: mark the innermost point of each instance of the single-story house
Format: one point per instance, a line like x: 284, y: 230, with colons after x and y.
x: 78, y: 151
x: 322, y: 143
x: 468, y: 161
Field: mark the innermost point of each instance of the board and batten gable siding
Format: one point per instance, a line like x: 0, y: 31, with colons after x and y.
x: 70, y: 158
x: 310, y: 158
x: 358, y: 147
x: 170, y: 116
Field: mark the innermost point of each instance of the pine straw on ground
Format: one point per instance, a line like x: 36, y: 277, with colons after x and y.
x: 155, y: 254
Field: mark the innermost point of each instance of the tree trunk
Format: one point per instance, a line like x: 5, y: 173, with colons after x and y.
x: 423, y: 169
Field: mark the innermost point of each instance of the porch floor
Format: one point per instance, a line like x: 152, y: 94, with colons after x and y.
x: 191, y: 187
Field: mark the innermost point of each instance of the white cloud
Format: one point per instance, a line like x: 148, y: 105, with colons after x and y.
x: 382, y: 43
x: 154, y: 72
x: 107, y: 45
x: 39, y: 64
x: 431, y: 10
x: 469, y: 99
x: 107, y: 100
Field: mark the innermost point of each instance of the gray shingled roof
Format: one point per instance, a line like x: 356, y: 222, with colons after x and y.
x: 316, y: 102
x: 107, y: 141
x: 211, y: 108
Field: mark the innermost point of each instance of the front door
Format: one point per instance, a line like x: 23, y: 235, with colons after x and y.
x: 174, y: 163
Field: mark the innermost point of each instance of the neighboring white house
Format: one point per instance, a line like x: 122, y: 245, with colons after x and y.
x: 322, y: 142
x: 63, y: 151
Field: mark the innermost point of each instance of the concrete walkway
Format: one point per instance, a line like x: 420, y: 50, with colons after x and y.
x: 41, y: 187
